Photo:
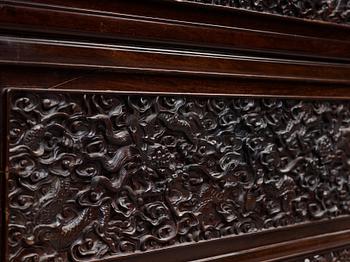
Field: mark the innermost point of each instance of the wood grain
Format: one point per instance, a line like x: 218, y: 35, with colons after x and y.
x: 21, y: 51
x: 18, y: 16
x: 64, y: 57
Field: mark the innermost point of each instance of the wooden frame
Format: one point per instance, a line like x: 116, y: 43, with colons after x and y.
x: 168, y: 47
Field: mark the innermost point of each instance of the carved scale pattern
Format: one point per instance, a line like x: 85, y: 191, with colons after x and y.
x: 99, y: 175
x: 327, y: 10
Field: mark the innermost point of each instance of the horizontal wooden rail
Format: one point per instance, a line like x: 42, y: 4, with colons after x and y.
x: 73, y: 22
x: 21, y: 51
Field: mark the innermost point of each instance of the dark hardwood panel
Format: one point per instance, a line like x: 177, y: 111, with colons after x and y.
x: 3, y: 176
x: 292, y: 251
x: 175, y: 11
x: 174, y: 130
x: 56, y: 78
x: 104, y: 175
x: 79, y: 23
x: 51, y: 53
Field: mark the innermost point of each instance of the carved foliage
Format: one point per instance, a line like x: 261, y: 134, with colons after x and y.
x: 99, y: 175
x: 328, y: 10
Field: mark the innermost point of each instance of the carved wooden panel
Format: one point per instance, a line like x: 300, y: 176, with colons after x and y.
x: 95, y: 175
x: 327, y: 10
x: 336, y: 255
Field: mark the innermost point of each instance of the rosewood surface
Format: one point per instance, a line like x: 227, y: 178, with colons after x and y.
x: 174, y: 131
x: 97, y: 175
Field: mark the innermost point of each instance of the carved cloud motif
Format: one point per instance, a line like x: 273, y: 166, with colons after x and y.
x: 100, y: 175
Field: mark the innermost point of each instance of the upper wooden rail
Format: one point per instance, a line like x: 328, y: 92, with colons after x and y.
x: 187, y: 25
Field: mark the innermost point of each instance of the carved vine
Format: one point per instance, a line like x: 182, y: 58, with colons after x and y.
x: 327, y: 10
x: 99, y: 175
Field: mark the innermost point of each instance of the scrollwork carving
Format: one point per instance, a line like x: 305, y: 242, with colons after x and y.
x: 327, y: 10
x: 100, y: 175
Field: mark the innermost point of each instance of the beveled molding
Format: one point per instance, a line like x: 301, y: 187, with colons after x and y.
x: 120, y: 58
x: 143, y: 48
x: 271, y: 184
x: 180, y: 24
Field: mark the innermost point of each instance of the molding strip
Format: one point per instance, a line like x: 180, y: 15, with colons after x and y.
x: 50, y: 53
x: 29, y: 19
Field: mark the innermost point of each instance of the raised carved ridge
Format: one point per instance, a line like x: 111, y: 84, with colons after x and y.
x: 327, y: 10
x: 335, y: 255
x: 100, y: 175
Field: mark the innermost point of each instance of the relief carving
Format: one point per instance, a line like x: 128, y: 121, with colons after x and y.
x: 100, y: 175
x: 338, y: 255
x: 327, y: 10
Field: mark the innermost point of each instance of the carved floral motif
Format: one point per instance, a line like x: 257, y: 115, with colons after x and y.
x: 327, y: 10
x: 100, y: 175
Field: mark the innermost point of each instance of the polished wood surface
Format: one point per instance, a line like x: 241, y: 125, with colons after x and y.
x: 170, y: 69
x: 169, y: 23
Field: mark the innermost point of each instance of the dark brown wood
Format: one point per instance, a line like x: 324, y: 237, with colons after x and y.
x: 55, y: 159
x: 333, y: 11
x: 286, y: 251
x: 60, y: 78
x: 93, y: 56
x: 340, y: 254
x: 20, y: 16
x: 2, y: 181
x: 123, y: 120
x: 180, y: 11
x: 3, y: 178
